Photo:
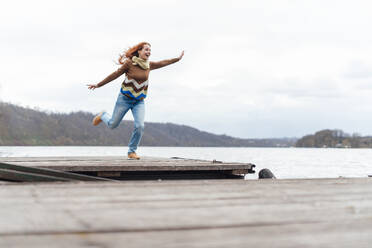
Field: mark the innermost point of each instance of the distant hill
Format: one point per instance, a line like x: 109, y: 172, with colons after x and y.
x: 24, y: 126
x: 334, y: 139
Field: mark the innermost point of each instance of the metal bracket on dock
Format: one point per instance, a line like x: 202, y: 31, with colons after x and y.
x: 251, y: 170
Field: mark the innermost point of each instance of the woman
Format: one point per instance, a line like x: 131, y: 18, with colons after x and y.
x: 136, y: 66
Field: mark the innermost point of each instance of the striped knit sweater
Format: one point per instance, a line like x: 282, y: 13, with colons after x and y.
x: 135, y: 84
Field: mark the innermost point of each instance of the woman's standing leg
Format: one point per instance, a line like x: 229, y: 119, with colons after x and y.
x: 121, y: 108
x: 138, y: 111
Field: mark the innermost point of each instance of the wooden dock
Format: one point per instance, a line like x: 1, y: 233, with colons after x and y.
x: 178, y: 213
x: 188, y: 213
x: 148, y: 168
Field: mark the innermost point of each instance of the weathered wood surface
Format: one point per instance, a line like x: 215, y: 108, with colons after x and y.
x: 27, y: 177
x: 214, y: 213
x: 32, y: 174
x: 122, y: 164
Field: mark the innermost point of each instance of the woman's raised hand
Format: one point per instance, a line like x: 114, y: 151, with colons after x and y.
x: 180, y: 57
x: 92, y: 86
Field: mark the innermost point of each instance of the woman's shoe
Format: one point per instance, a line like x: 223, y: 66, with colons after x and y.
x: 133, y: 155
x: 97, y: 120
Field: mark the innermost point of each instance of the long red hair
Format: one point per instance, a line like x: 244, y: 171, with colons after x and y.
x: 131, y: 51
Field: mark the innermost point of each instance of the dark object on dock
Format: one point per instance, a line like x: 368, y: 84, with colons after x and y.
x: 17, y: 173
x: 145, y: 169
x: 266, y: 174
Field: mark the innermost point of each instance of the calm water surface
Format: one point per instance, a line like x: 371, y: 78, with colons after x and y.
x: 283, y: 162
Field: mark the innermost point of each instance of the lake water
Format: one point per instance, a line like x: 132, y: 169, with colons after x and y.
x: 283, y: 162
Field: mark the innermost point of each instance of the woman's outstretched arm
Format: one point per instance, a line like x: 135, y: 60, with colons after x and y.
x: 111, y: 77
x: 160, y: 64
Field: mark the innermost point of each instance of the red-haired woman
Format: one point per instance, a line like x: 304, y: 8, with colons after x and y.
x: 136, y: 66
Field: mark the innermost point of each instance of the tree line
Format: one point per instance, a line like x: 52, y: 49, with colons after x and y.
x: 335, y: 139
x: 26, y: 126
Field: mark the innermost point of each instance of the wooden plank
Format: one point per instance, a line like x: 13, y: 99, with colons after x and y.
x: 347, y: 234
x: 168, y: 175
x: 33, y: 174
x: 17, y: 176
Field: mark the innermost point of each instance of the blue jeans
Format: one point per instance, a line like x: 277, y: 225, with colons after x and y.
x: 123, y: 104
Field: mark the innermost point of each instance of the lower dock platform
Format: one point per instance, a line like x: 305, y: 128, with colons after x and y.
x: 147, y: 168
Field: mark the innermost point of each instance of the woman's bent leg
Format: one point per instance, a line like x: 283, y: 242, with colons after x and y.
x: 138, y: 112
x: 121, y: 108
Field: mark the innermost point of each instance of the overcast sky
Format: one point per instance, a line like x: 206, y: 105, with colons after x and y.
x: 252, y: 69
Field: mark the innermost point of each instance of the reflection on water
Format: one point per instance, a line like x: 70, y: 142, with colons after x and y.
x: 283, y: 162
